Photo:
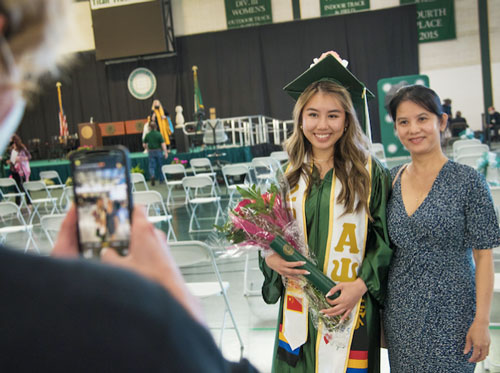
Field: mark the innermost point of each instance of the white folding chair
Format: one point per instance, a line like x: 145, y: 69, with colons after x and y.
x: 38, y: 188
x: 192, y: 253
x: 138, y: 178
x: 7, y: 183
x: 459, y: 143
x: 495, y: 195
x: 379, y: 152
x: 472, y: 149
x: 469, y: 160
x: 154, y: 203
x: 203, y: 166
x: 280, y: 156
x: 51, y: 225
x: 192, y: 186
x: 264, y: 169
x: 9, y: 210
x: 171, y: 171
x: 53, y: 175
x: 231, y: 172
x: 67, y: 197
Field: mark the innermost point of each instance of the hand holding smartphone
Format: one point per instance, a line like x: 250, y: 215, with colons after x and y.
x: 103, y: 198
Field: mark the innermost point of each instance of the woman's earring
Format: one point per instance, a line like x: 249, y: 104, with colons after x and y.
x: 345, y: 129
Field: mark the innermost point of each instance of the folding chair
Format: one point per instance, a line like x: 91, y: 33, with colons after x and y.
x: 192, y: 253
x: 232, y: 171
x: 39, y: 187
x: 495, y: 195
x: 192, y: 186
x: 459, y: 143
x: 7, y: 182
x: 280, y: 156
x: 264, y: 169
x: 138, y: 178
x: 203, y: 166
x: 51, y: 225
x: 66, y: 198
x: 58, y: 184
x: 379, y: 152
x: 472, y: 149
x: 469, y: 160
x: 10, y: 210
x: 170, y: 171
x: 154, y: 201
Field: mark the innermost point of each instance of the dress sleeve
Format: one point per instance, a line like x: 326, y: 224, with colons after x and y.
x: 272, y: 288
x: 481, y: 224
x: 378, y: 251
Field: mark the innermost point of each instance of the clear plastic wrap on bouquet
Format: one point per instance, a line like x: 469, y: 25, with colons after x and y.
x: 261, y: 220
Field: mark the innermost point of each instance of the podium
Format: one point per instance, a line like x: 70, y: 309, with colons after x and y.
x: 90, y: 135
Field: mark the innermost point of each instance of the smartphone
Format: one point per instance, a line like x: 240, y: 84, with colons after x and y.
x: 103, y: 198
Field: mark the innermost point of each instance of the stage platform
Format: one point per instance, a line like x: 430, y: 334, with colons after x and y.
x: 232, y: 155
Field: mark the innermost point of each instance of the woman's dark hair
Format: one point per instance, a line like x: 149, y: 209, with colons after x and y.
x: 418, y: 94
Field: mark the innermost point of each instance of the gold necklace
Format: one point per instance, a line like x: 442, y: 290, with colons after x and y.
x: 322, y: 160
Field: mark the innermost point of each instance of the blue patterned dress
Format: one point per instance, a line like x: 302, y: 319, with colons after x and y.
x: 430, y: 302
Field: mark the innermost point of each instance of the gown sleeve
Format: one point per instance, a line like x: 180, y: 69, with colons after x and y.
x: 378, y: 250
x: 272, y: 288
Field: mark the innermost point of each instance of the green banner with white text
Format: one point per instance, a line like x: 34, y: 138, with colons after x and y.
x: 435, y: 19
x: 333, y: 7
x: 242, y: 13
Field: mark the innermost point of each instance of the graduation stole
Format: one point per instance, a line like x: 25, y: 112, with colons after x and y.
x: 163, y: 125
x: 345, y: 250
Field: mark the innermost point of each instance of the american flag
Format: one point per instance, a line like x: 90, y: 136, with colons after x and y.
x: 63, y: 124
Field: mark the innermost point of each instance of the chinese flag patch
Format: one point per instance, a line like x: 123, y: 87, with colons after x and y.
x: 294, y: 303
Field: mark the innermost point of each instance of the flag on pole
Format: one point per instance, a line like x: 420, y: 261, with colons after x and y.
x: 63, y: 124
x: 198, y: 102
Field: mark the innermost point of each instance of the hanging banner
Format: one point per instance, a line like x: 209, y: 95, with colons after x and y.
x: 242, y: 13
x: 333, y: 7
x: 435, y: 19
x: 98, y: 4
x: 386, y: 89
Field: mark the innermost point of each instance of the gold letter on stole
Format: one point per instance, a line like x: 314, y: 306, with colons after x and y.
x: 344, y: 265
x: 348, y: 237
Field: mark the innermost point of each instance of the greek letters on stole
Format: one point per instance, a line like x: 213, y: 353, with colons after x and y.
x: 345, y: 250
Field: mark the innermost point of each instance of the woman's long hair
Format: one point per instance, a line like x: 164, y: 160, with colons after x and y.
x: 350, y: 151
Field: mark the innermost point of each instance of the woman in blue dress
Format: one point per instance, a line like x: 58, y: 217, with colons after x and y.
x: 442, y: 223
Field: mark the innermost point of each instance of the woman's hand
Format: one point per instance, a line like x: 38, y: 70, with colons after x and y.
x: 284, y: 268
x: 478, y: 338
x: 350, y: 294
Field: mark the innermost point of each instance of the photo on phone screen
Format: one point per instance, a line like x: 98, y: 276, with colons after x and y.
x: 102, y: 196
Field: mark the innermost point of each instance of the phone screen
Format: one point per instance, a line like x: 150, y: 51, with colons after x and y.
x: 101, y: 186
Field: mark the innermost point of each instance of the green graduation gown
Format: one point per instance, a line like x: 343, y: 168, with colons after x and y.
x: 373, y: 271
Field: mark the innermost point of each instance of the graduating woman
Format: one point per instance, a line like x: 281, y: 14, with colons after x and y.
x: 338, y: 195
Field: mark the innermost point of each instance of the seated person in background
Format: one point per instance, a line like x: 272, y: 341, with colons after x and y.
x: 71, y: 315
x: 494, y: 121
x: 458, y: 124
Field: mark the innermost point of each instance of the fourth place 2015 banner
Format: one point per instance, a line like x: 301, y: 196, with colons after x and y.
x: 435, y: 19
x: 242, y: 13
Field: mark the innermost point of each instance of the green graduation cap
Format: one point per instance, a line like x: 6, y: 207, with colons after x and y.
x: 329, y: 68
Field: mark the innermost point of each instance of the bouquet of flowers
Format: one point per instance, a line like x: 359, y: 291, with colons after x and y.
x: 262, y: 221
x: 179, y: 161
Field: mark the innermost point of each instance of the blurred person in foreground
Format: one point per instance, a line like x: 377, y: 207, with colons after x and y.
x: 70, y: 315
